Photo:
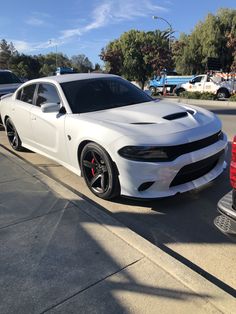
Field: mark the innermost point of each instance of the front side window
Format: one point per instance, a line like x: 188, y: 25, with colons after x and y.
x: 101, y: 94
x: 26, y: 93
x: 47, y: 93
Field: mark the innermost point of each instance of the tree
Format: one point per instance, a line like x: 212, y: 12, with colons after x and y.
x: 7, y: 51
x: 113, y: 57
x: 210, y: 38
x: 81, y: 63
x: 49, y: 62
x: 97, y: 67
x: 136, y: 55
x: 25, y: 66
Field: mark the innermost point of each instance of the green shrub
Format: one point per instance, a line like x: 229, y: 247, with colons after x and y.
x: 198, y: 95
x: 232, y: 98
x: 190, y: 95
x: 208, y: 96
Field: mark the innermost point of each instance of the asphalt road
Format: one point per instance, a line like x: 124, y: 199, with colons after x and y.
x: 181, y: 225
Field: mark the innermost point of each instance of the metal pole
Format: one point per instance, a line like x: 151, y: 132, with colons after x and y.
x: 56, y: 56
x: 170, y: 27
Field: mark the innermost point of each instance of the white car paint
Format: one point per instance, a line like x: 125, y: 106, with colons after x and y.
x: 48, y: 134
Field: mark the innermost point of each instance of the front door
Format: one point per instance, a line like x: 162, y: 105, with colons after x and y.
x: 48, y: 128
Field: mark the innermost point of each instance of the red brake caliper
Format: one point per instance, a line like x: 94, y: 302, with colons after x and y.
x: 93, y: 171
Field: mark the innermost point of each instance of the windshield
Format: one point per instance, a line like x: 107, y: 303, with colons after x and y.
x: 102, y: 93
x: 8, y: 78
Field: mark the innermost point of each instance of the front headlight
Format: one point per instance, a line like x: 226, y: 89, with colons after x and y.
x: 144, y: 153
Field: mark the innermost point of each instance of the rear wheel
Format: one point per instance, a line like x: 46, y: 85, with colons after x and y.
x: 13, y: 136
x: 99, y: 171
x: 223, y: 93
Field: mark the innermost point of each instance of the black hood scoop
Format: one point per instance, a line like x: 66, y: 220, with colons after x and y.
x: 175, y: 116
x: 142, y: 123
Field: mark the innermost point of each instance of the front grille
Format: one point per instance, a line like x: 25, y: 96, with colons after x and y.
x: 196, y: 170
x: 175, y: 151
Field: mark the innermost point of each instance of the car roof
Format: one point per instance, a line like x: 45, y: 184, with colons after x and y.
x: 72, y: 77
x: 3, y: 70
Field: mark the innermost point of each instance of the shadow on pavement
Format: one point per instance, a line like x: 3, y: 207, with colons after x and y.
x: 56, y: 257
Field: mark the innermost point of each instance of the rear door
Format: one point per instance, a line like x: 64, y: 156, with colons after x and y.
x: 20, y: 112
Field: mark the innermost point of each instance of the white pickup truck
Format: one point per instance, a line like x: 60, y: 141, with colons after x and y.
x: 206, y: 83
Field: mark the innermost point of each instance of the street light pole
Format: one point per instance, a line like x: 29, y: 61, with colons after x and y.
x: 51, y: 43
x: 170, y: 31
x: 170, y: 27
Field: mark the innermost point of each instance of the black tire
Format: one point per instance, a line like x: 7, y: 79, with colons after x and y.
x: 99, y: 172
x: 152, y: 89
x: 13, y: 136
x: 223, y: 93
x: 179, y: 91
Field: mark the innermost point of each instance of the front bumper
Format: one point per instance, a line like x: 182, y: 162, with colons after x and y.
x: 133, y: 174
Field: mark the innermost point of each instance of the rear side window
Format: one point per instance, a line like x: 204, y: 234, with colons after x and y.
x: 47, y: 93
x: 26, y: 93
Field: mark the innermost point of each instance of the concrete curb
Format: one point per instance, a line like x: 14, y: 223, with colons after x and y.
x: 201, y: 102
x: 219, y: 299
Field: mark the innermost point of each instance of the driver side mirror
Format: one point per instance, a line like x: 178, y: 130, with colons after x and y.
x: 191, y: 82
x: 50, y: 107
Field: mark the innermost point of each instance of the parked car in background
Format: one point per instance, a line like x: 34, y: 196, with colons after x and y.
x: 9, y: 82
x: 226, y: 222
x: 116, y: 136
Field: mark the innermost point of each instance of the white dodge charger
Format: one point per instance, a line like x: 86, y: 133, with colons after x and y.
x: 113, y: 134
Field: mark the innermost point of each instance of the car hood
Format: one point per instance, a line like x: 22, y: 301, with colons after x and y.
x: 158, y: 119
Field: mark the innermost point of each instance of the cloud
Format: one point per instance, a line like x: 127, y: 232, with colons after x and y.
x: 38, y: 19
x: 34, y: 21
x: 30, y: 47
x: 106, y: 13
x: 68, y: 33
x: 101, y: 15
x: 115, y: 11
x: 22, y: 46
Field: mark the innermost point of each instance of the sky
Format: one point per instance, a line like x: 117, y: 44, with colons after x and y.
x: 75, y: 27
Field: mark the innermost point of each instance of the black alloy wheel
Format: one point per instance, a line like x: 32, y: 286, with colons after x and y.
x: 13, y: 136
x: 99, y: 172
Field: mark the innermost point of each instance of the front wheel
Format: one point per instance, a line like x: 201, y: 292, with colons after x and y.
x: 152, y: 89
x: 13, y: 136
x: 99, y: 172
x: 179, y: 91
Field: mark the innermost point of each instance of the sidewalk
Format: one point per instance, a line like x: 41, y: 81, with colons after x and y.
x: 61, y: 254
